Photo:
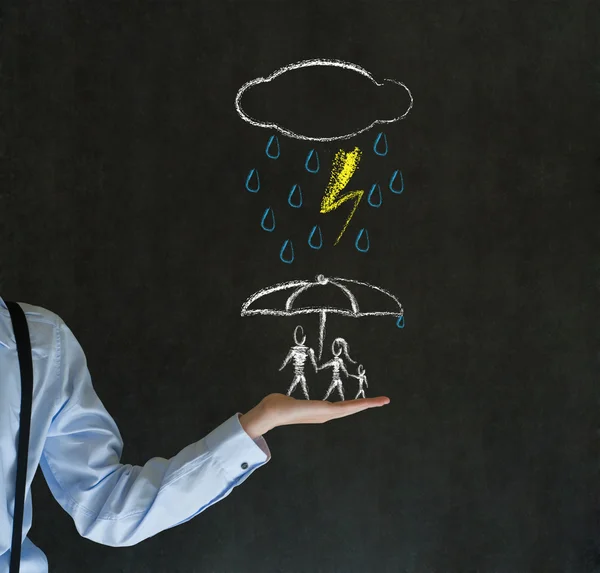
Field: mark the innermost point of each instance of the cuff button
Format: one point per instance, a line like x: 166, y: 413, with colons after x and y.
x: 245, y: 466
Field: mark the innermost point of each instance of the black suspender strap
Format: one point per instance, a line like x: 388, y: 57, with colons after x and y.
x: 26, y: 367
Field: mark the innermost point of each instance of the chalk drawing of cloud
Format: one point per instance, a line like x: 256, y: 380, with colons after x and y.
x: 398, y: 114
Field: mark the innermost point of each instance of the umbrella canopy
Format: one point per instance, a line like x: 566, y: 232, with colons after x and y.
x: 293, y: 303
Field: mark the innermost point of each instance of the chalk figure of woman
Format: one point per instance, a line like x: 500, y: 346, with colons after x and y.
x: 298, y: 354
x: 337, y: 364
x: 361, y: 376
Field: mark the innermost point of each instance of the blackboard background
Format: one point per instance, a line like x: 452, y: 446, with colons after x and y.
x: 123, y: 210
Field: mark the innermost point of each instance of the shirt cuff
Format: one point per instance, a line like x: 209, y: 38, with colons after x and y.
x: 235, y: 451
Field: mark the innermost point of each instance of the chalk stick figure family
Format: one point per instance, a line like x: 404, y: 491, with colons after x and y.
x: 300, y: 353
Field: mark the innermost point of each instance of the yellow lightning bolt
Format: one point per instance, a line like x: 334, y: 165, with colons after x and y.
x: 344, y: 166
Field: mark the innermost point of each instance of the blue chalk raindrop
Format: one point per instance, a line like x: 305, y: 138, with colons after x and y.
x: 287, y: 252
x: 378, y: 147
x: 315, y: 230
x: 253, y: 181
x: 312, y: 161
x: 400, y: 321
x: 363, y: 238
x: 375, y: 198
x: 268, y: 225
x: 272, y: 150
x: 393, y: 181
x: 295, y: 197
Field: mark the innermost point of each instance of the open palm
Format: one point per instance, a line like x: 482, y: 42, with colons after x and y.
x: 284, y: 410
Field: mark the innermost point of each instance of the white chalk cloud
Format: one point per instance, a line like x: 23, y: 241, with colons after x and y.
x: 310, y: 63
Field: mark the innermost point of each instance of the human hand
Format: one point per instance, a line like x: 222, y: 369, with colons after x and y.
x: 280, y: 410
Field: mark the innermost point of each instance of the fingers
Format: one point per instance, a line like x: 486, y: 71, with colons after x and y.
x: 349, y: 407
x: 368, y: 402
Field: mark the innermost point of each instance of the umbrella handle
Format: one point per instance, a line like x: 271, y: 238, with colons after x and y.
x: 322, y: 321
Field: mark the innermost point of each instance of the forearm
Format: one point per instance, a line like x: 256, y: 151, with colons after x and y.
x: 120, y: 505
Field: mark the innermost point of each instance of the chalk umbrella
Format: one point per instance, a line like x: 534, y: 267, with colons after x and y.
x: 298, y: 290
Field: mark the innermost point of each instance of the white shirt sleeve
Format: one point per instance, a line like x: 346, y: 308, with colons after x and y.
x: 119, y: 504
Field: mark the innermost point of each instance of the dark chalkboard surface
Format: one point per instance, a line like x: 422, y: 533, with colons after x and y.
x: 130, y: 207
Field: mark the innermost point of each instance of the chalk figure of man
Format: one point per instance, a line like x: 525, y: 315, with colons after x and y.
x: 361, y: 376
x: 337, y: 364
x: 299, y: 353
